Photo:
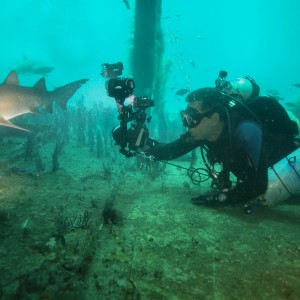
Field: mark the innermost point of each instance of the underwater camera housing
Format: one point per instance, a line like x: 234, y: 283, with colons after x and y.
x: 120, y: 88
x: 135, y: 137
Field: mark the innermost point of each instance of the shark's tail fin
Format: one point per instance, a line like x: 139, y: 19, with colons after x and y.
x: 64, y: 93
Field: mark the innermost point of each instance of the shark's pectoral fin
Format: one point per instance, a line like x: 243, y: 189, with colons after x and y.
x: 10, y: 124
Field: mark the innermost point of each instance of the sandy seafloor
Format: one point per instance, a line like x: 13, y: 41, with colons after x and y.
x: 162, y: 247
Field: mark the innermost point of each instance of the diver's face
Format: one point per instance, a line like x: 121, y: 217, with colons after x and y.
x: 208, y: 125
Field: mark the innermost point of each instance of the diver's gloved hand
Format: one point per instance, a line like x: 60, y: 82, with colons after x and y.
x: 210, y: 200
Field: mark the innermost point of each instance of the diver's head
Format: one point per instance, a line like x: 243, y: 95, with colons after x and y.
x: 245, y: 89
x: 204, y: 114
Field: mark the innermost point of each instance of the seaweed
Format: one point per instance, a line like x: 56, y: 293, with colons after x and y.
x: 57, y: 152
x: 62, y: 227
x: 99, y: 144
x: 39, y: 165
x: 110, y: 214
x: 65, y: 224
x: 81, y: 221
x: 91, y: 126
x: 81, y: 122
x: 30, y: 146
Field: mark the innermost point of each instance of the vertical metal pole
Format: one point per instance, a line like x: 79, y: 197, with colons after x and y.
x: 144, y: 54
x: 147, y: 55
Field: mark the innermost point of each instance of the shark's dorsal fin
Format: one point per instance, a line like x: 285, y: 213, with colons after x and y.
x: 12, y: 78
x: 41, y: 85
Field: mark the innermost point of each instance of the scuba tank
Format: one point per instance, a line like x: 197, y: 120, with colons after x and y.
x: 284, y: 180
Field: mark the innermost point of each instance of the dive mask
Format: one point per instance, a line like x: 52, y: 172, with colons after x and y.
x: 191, y: 117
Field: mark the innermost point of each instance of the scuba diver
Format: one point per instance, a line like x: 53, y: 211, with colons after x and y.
x: 234, y: 136
x: 234, y: 127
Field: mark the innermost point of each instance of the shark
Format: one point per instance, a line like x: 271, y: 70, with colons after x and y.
x: 17, y: 100
x: 32, y: 67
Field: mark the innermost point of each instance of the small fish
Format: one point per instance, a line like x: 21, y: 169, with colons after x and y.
x: 200, y: 37
x: 276, y: 97
x: 126, y: 2
x: 273, y: 92
x: 192, y: 63
x: 296, y: 85
x: 182, y: 92
x: 290, y: 104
